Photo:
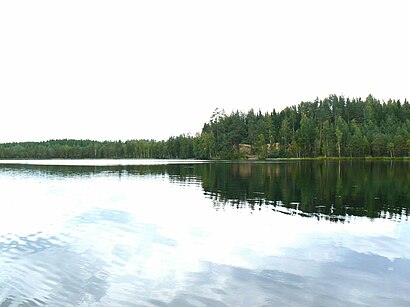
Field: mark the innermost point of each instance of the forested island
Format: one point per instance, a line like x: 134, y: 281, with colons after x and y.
x: 333, y: 127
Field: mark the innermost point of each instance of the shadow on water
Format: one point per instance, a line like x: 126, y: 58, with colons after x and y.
x: 333, y: 190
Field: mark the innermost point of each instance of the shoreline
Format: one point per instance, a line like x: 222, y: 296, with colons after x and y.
x: 139, y: 161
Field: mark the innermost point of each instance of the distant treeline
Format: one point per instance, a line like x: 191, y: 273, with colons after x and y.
x: 335, y: 126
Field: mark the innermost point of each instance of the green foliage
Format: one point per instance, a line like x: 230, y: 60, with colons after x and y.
x: 332, y: 127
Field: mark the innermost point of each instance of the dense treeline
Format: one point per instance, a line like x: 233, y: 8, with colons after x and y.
x: 175, y: 147
x: 335, y: 126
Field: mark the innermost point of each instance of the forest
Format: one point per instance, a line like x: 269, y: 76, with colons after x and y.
x: 332, y: 127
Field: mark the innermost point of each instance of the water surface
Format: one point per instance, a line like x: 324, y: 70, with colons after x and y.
x: 205, y: 234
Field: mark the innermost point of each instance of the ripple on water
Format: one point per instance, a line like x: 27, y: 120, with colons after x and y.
x: 129, y: 242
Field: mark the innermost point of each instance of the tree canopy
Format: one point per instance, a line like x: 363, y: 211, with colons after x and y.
x: 335, y: 126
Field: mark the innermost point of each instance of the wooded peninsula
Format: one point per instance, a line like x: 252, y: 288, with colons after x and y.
x: 333, y: 127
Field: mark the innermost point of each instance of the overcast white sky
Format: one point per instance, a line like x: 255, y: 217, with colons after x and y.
x: 151, y: 69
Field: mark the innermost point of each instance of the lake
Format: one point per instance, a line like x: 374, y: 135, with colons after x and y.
x: 197, y: 233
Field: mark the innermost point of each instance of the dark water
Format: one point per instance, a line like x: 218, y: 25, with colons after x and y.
x: 205, y: 234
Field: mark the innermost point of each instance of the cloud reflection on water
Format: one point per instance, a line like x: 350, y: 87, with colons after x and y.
x: 146, y: 240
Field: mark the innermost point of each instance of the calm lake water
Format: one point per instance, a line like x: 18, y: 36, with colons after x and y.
x: 172, y: 233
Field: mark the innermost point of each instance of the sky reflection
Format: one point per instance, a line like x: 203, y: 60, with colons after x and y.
x: 147, y: 240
